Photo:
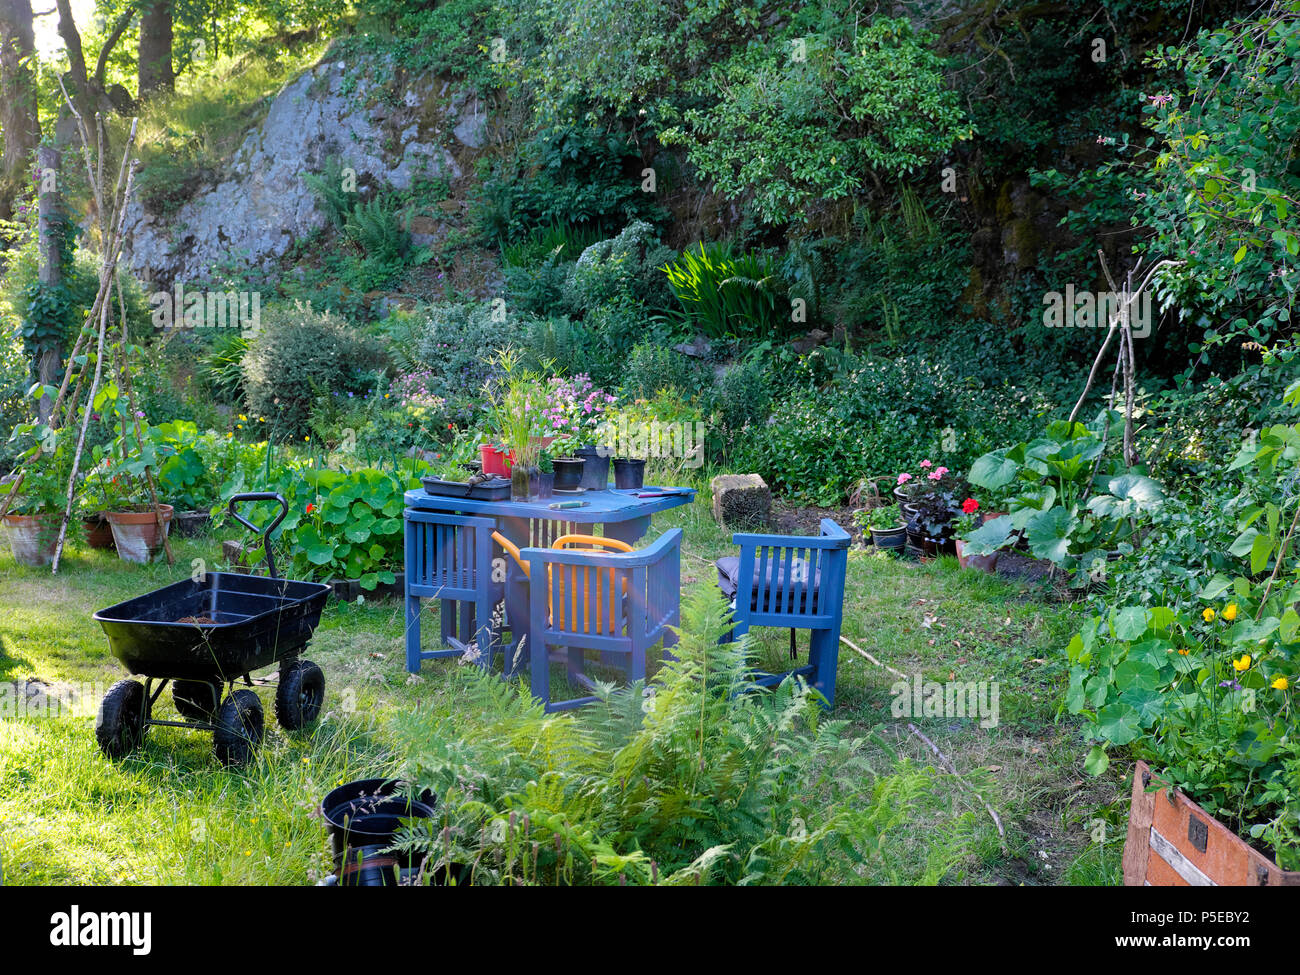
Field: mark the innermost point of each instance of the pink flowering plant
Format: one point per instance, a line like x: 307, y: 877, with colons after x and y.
x: 930, y: 479
x: 575, y: 413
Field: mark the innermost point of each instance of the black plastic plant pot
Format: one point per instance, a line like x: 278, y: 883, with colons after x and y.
x: 595, y: 470
x: 569, y: 472
x: 889, y: 538
x: 629, y: 473
x: 338, y: 804
x: 369, y: 825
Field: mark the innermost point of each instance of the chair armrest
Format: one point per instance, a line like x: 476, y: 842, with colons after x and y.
x: 833, y: 533
x: 832, y: 537
x: 665, y: 543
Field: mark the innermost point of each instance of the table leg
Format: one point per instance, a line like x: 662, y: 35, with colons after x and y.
x: 516, y: 591
x: 630, y: 531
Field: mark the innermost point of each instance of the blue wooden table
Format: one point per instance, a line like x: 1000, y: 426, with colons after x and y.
x: 535, y: 524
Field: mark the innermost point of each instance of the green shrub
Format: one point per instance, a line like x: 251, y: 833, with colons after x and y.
x: 568, y: 175
x: 299, y: 355
x: 879, y: 418
x: 651, y: 368
x: 460, y: 341
x: 741, y: 397
x: 630, y: 264
x: 539, y: 288
x: 377, y: 228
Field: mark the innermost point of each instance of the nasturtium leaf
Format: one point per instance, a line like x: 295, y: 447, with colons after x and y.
x: 1146, y: 702
x: 1137, y: 674
x: 1119, y: 723
x: 1097, y: 761
x: 1130, y: 623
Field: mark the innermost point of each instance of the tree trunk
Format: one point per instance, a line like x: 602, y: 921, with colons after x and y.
x: 19, y: 121
x: 81, y: 94
x: 49, y: 235
x: 156, y: 47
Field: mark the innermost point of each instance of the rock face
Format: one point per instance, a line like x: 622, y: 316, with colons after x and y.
x: 741, y: 500
x: 262, y: 205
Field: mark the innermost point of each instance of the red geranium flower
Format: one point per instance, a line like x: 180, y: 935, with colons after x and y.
x: 970, y: 506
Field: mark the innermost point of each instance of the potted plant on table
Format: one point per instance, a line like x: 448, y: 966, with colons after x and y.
x: 576, y: 414
x: 518, y: 401
x: 566, y: 466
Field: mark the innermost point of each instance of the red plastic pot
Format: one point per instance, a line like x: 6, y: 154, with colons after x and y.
x: 495, y: 460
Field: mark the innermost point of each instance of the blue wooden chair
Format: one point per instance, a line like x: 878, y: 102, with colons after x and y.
x: 449, y: 558
x: 619, y: 603
x: 795, y: 582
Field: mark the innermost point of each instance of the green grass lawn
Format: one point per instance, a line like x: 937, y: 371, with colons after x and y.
x: 172, y: 814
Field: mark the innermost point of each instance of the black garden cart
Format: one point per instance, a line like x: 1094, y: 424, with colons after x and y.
x: 202, y: 636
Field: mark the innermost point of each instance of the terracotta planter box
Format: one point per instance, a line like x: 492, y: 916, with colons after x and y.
x: 1173, y: 842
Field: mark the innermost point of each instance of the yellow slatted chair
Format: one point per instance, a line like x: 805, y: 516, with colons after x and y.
x: 596, y: 614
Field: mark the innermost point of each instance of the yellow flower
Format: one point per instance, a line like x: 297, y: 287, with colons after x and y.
x: 1243, y: 663
x: 1230, y: 612
x: 242, y: 417
x: 306, y: 760
x: 1280, y: 684
x: 1207, y: 614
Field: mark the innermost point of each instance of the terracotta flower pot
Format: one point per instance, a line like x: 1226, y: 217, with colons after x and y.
x: 32, y: 538
x: 985, y: 563
x: 1173, y: 842
x: 136, y: 534
x: 99, y: 533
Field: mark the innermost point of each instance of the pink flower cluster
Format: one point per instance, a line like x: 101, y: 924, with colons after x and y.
x: 575, y: 406
x: 934, y: 475
x: 416, y: 389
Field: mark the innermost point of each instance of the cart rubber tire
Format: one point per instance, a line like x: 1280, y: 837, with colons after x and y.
x: 120, y: 721
x: 196, y: 700
x: 299, y: 696
x: 239, y: 728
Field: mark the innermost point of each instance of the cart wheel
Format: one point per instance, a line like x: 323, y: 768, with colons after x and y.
x: 120, y: 722
x: 196, y: 700
x: 299, y: 697
x: 239, y: 728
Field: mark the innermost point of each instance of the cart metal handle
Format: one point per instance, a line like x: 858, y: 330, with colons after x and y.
x: 264, y: 532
